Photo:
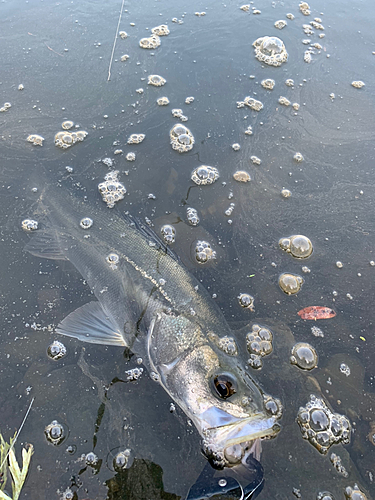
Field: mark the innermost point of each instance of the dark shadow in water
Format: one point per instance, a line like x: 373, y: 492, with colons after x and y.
x: 144, y: 480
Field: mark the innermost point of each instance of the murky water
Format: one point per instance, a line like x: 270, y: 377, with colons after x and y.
x: 60, y: 53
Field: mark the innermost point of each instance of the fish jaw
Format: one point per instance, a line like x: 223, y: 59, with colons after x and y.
x: 226, y: 445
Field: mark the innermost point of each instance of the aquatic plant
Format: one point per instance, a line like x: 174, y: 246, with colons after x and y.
x: 9, y: 463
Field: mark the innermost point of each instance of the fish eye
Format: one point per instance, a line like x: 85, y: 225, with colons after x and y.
x: 225, y: 385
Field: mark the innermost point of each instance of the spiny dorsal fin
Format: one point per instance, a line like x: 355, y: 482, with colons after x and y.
x: 150, y: 234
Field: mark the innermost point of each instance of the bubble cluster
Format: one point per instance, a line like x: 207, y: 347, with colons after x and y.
x: 255, y: 160
x: 6, y: 107
x: 316, y: 331
x: 225, y: 344
x: 161, y: 30
x: 156, y: 80
x: 56, y: 350
x: 270, y: 50
x: 192, y: 216
x: 304, y: 7
x: 112, y: 259
x: 29, y: 225
x: 21, y: 86
x: 181, y: 138
x: 249, y: 130
x: 162, y: 101
x: 253, y: 103
x: 204, y: 175
x: 307, y: 56
x: 289, y: 16
x: 259, y: 344
x: 124, y: 57
x: 228, y: 212
x: 54, y: 433
x: 298, y: 246
x: 325, y: 495
x: 112, y: 190
x: 354, y: 493
x: 66, y: 139
x: 68, y: 124
x: 123, y: 34
x: 177, y: 113
x: 236, y: 146
x: 321, y: 427
x: 290, y: 283
x: 130, y: 156
x: 133, y: 374
x: 358, y: 84
x: 108, y: 162
x: 280, y: 24
x: 67, y: 494
x: 337, y: 464
x: 268, y: 83
x: 304, y: 356
x: 344, y: 368
x: 246, y: 301
x: 241, y: 176
x: 317, y: 25
x: 284, y: 101
x: 151, y: 42
x: 35, y: 139
x: 189, y: 100
x: 169, y: 233
x: 255, y: 361
x: 121, y: 460
x: 136, y: 138
x: 289, y: 82
x: 204, y: 252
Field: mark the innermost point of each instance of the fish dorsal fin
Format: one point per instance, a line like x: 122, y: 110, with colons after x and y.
x: 90, y: 323
x: 45, y: 244
x: 150, y: 234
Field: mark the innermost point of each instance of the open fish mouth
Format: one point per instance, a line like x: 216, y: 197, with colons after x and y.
x: 226, y: 445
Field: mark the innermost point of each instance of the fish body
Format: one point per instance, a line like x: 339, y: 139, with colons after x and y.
x: 148, y: 302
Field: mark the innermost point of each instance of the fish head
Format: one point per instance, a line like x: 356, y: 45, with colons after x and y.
x: 213, y: 388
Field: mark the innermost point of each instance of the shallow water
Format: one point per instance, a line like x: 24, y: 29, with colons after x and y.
x: 61, y: 53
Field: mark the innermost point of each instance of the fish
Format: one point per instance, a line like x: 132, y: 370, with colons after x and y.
x: 316, y: 312
x: 147, y: 302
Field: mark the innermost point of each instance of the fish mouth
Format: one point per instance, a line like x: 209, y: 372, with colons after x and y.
x: 226, y: 445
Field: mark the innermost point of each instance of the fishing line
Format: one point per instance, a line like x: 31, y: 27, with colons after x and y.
x: 114, y: 43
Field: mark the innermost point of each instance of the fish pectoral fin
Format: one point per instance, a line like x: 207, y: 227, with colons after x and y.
x: 45, y: 244
x: 90, y: 323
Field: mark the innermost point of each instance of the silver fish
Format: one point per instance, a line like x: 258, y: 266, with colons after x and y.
x: 148, y: 302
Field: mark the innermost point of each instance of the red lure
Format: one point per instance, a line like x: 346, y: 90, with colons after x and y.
x: 316, y: 312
